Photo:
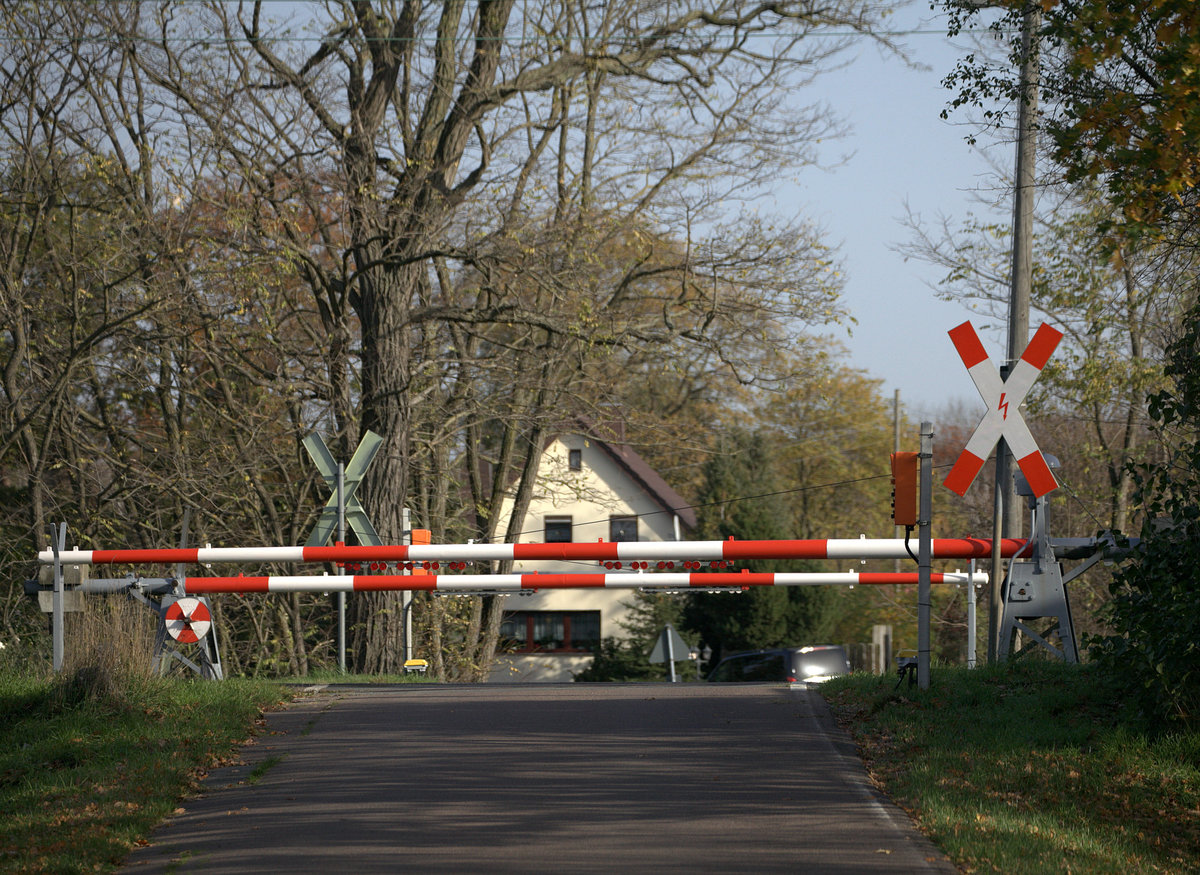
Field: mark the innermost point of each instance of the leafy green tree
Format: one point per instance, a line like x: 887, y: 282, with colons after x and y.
x: 1128, y: 93
x: 628, y: 658
x: 1119, y: 97
x: 741, y: 498
x: 1155, y: 608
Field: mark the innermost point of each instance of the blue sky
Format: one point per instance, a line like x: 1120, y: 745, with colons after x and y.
x: 900, y: 151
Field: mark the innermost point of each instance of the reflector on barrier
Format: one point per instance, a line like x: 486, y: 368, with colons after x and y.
x: 188, y: 620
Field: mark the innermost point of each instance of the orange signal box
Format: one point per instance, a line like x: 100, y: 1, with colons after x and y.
x: 904, y: 488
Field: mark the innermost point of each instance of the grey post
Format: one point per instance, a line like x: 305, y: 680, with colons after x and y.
x: 341, y: 539
x: 58, y: 543
x: 972, y: 634
x: 924, y: 555
x: 1020, y: 291
x: 406, y: 597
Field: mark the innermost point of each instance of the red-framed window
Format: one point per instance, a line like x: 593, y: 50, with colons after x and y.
x: 550, y: 631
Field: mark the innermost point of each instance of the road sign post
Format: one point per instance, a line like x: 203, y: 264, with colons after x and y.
x: 58, y: 542
x: 669, y: 644
x: 342, y: 507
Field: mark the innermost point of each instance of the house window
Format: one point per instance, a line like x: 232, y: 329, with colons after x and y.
x: 558, y: 530
x: 623, y: 528
x: 575, y: 460
x: 550, y: 631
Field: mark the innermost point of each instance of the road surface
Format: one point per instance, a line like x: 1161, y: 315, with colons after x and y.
x: 570, y: 778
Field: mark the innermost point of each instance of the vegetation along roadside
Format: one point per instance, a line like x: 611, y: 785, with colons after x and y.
x: 1030, y: 767
x: 88, y: 766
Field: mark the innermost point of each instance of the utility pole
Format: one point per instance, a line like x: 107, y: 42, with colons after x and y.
x: 1008, y: 509
x: 898, y: 531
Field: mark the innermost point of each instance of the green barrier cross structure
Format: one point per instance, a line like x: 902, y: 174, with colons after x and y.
x: 345, y: 502
x: 342, y: 508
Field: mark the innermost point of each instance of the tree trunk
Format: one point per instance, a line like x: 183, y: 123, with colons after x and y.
x: 377, y: 619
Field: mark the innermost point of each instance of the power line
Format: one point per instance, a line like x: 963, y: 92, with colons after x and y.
x: 797, y: 490
x: 111, y: 39
x: 675, y: 510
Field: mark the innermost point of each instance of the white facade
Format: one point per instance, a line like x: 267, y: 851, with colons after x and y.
x: 586, y: 491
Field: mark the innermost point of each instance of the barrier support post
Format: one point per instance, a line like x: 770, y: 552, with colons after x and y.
x: 58, y: 543
x: 972, y: 633
x: 924, y: 555
x: 341, y: 539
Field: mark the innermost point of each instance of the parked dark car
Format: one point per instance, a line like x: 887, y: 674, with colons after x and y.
x: 786, y: 664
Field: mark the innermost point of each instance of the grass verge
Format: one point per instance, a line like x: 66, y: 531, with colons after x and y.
x: 1029, y: 767
x: 87, y: 769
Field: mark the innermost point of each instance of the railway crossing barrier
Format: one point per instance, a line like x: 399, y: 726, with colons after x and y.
x: 1034, y: 587
x: 667, y: 566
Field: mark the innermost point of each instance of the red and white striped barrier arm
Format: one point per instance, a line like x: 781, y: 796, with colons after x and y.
x: 505, y: 583
x: 599, y: 551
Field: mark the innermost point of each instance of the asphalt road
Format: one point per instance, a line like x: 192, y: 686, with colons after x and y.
x: 572, y: 778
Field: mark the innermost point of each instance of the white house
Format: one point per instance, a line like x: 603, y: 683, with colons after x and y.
x: 588, y: 489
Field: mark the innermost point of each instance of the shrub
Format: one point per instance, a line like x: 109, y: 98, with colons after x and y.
x: 1155, y: 607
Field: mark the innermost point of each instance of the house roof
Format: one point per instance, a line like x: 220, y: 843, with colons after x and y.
x: 643, y: 474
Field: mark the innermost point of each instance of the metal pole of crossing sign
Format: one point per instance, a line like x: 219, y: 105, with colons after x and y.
x: 58, y: 542
x: 341, y: 596
x: 1000, y: 502
x: 924, y: 555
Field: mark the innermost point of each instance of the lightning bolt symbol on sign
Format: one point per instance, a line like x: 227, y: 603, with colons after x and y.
x: 1003, y: 406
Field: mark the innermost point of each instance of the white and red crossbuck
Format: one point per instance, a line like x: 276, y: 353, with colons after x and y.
x: 1003, y: 417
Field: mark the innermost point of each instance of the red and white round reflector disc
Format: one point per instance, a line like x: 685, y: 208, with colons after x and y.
x: 188, y: 620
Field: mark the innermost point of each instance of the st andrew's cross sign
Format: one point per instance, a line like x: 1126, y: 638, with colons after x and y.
x: 1003, y: 417
x: 352, y: 476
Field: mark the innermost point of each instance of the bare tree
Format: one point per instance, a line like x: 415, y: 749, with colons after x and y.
x: 509, y: 178
x: 498, y: 213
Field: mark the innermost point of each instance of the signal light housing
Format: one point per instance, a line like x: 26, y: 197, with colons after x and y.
x: 904, y: 488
